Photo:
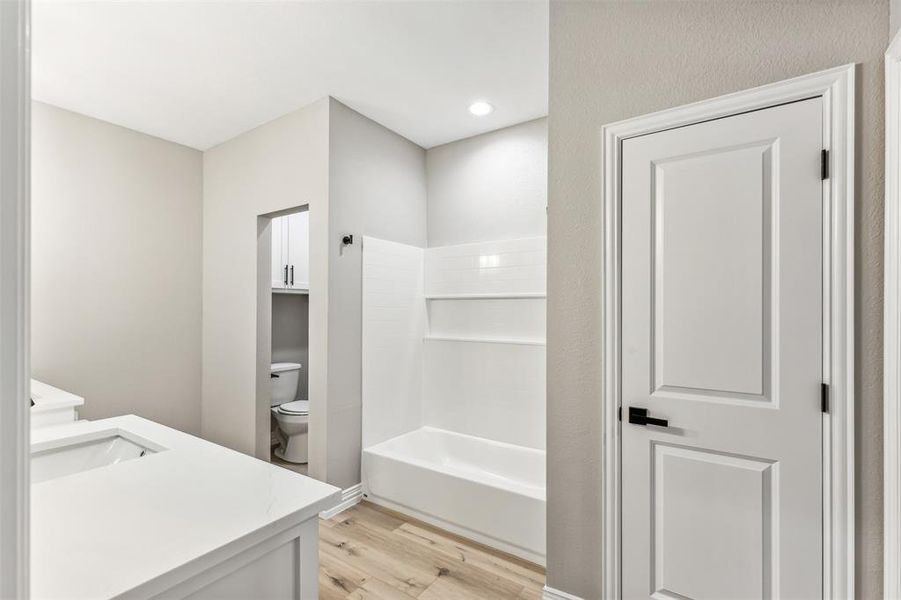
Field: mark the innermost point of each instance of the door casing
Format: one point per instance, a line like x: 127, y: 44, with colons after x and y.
x: 891, y: 397
x: 15, y: 244
x: 836, y: 88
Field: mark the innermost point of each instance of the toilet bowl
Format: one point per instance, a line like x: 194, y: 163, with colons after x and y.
x: 293, y: 428
x: 292, y: 416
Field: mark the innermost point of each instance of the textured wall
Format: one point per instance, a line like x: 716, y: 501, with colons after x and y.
x: 115, y: 270
x: 895, y: 6
x: 614, y: 60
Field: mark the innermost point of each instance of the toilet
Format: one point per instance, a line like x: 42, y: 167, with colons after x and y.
x: 291, y: 415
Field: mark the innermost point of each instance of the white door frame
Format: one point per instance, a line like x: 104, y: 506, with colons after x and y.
x: 836, y: 88
x: 892, y: 320
x: 15, y: 179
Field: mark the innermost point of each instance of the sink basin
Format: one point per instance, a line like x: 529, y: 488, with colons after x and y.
x: 84, y: 455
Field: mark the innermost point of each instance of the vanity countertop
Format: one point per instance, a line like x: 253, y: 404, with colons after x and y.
x: 137, y: 527
x: 46, y: 397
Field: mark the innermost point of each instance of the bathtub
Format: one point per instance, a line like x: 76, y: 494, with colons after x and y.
x: 487, y: 491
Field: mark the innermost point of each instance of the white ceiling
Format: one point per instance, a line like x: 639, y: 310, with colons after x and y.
x: 200, y: 72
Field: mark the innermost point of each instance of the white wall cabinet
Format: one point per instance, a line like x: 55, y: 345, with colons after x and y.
x: 291, y: 252
x: 279, y: 253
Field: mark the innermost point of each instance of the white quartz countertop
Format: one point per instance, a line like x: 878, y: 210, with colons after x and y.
x: 46, y: 397
x: 133, y: 527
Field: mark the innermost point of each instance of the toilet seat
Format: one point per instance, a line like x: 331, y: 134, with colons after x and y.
x: 298, y: 407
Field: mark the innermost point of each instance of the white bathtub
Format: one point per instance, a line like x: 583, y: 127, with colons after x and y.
x: 491, y: 492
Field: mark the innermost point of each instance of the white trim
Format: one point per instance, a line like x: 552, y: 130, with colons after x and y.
x: 487, y: 296
x: 892, y: 323
x: 475, y: 340
x: 349, y: 497
x: 295, y: 291
x: 836, y: 88
x: 15, y: 177
x: 549, y: 593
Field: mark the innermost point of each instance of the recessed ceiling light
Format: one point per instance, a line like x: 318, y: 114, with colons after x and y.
x: 481, y: 108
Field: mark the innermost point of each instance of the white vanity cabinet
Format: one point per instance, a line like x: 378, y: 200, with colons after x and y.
x: 185, y: 518
x: 291, y: 252
x: 52, y: 406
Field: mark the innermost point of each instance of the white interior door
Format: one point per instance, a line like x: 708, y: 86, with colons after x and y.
x: 722, y: 336
x: 279, y: 231
x: 299, y: 250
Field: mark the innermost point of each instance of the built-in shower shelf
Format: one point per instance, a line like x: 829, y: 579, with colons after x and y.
x: 487, y: 296
x: 484, y: 340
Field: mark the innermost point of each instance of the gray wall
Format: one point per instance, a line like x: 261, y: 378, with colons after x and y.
x: 275, y: 167
x: 116, y: 268
x: 614, y: 60
x: 290, y: 335
x: 489, y: 187
x: 358, y: 178
x: 895, y: 21
x: 377, y: 187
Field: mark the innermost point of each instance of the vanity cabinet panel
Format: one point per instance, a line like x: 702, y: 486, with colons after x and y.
x: 291, y: 252
x: 274, y: 569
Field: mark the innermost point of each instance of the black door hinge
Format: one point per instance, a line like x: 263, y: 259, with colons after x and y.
x: 824, y: 164
x: 824, y: 397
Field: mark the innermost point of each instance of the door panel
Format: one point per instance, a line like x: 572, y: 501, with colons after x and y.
x: 299, y: 249
x: 722, y: 336
x: 735, y: 537
x: 692, y: 261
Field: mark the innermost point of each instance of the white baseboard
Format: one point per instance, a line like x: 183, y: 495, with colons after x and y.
x: 349, y: 497
x: 550, y: 593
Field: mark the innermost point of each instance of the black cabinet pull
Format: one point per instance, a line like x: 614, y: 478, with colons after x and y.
x: 639, y: 416
x: 286, y: 275
x: 292, y: 275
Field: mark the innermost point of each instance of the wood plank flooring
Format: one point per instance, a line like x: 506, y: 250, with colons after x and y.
x: 370, y: 553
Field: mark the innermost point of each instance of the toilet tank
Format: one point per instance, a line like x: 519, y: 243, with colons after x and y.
x: 283, y: 379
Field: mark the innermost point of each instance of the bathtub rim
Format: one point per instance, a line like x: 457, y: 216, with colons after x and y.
x: 521, y: 489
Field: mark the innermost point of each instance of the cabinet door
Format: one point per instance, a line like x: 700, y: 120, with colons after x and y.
x: 279, y: 252
x: 299, y: 250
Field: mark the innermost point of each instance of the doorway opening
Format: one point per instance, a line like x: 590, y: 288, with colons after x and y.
x: 283, y: 417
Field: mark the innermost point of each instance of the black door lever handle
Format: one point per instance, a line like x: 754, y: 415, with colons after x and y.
x: 639, y: 416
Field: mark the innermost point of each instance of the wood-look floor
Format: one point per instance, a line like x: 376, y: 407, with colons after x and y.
x: 370, y: 553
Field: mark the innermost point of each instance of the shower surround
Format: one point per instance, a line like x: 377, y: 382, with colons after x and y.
x: 454, y: 387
